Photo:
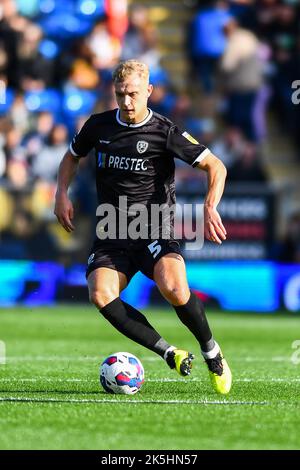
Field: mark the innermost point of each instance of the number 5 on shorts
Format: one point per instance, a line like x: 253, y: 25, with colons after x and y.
x: 154, y: 248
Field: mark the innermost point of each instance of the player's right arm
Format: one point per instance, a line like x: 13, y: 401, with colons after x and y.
x: 80, y: 146
x: 64, y: 210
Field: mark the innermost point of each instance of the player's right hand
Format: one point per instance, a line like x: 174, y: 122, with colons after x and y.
x: 64, y: 212
x: 214, y: 229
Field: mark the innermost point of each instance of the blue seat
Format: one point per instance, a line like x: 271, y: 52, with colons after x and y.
x: 6, y: 99
x: 29, y: 8
x: 43, y: 100
x: 49, y: 48
x: 47, y: 7
x: 78, y: 102
x: 90, y: 8
x: 64, y: 25
x: 159, y: 76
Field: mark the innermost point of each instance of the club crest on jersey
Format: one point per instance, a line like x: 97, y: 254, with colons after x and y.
x: 142, y: 146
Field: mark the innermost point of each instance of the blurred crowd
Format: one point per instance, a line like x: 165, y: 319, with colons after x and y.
x: 56, y: 60
x: 249, y: 51
x: 245, y: 55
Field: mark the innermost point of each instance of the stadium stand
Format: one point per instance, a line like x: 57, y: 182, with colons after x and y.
x: 56, y: 60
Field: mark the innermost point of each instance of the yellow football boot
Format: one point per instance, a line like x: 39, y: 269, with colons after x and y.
x: 181, y: 361
x: 220, y: 374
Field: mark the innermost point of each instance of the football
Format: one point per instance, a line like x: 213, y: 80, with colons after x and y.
x: 122, y: 373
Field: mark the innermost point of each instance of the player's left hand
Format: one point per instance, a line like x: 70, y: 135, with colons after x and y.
x: 214, y: 229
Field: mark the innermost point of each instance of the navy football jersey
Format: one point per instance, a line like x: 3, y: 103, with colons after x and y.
x: 136, y: 160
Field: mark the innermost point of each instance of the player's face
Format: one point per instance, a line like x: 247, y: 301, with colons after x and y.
x: 132, y: 96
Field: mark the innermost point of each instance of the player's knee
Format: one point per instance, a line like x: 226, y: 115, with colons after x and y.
x: 102, y: 298
x: 176, y: 295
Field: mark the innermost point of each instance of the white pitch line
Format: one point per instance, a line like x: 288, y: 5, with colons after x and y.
x: 163, y: 380
x: 132, y: 402
x: 271, y: 379
x: 52, y: 358
x: 235, y: 359
x: 146, y: 358
x: 44, y: 379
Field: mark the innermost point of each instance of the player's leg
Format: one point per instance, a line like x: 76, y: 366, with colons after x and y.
x: 147, y: 257
x: 105, y: 285
x: 170, y: 277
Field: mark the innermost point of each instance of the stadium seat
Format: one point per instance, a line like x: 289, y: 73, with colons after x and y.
x: 7, y: 101
x: 47, y: 7
x: 49, y: 48
x: 29, y: 8
x: 78, y: 102
x: 90, y: 8
x: 64, y: 25
x: 43, y: 100
x: 159, y: 76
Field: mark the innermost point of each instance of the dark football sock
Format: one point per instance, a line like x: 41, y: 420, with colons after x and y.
x: 192, y: 315
x: 132, y: 323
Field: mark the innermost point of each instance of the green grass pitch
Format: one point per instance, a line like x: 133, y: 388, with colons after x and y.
x: 50, y: 397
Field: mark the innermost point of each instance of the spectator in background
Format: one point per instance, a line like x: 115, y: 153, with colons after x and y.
x: 229, y: 146
x: 285, y: 23
x: 288, y: 250
x: 27, y: 238
x: 264, y: 93
x: 46, y: 162
x: 296, y: 109
x: 2, y: 155
x: 286, y: 64
x: 35, y: 70
x: 36, y: 139
x: 83, y: 73
x: 9, y: 38
x: 43, y: 172
x: 278, y: 25
x: 117, y: 18
x: 3, y: 62
x: 140, y: 41
x: 162, y: 101
x: 266, y: 13
x: 106, y: 49
x: 248, y: 166
x: 19, y: 114
x: 207, y: 42
x: 181, y: 112
x: 245, y: 12
x: 242, y: 77
x: 16, y: 163
x: 84, y: 195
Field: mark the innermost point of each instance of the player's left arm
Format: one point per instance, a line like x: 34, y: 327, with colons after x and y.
x: 214, y: 229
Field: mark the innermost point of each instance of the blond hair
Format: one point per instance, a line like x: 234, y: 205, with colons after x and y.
x: 128, y: 67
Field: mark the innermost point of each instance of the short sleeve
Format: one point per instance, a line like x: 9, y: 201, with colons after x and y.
x: 82, y: 143
x: 183, y: 146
